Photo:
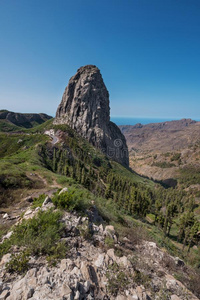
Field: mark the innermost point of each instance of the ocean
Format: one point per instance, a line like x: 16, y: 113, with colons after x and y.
x: 132, y: 121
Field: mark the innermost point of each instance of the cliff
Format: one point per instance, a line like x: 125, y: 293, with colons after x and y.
x: 85, y: 108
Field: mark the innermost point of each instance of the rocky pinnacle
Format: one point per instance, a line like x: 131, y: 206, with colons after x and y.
x: 85, y: 108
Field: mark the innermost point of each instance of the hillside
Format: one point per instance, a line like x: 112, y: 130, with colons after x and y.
x: 166, y: 151
x: 10, y: 121
x: 41, y: 162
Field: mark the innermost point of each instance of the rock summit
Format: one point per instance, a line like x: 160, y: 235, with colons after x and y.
x: 85, y: 108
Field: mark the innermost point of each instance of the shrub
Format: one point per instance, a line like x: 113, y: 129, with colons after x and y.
x: 117, y: 280
x: 59, y: 252
x: 176, y: 156
x: 18, y: 263
x: 73, y: 199
x: 39, y: 234
x: 37, y: 202
x: 141, y: 278
x: 5, y: 247
x: 109, y: 242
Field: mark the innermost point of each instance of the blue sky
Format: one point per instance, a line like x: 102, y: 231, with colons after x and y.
x: 148, y: 52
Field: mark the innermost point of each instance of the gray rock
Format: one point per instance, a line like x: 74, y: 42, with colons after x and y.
x: 100, y: 261
x: 87, y: 286
x: 7, y: 236
x: 77, y: 295
x: 5, y: 216
x: 179, y: 262
x: 4, y: 294
x: 85, y: 108
x: 63, y: 190
x: 47, y: 201
x: 65, y: 290
x: 30, y: 293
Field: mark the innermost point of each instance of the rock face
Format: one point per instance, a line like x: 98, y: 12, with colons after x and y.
x: 85, y: 108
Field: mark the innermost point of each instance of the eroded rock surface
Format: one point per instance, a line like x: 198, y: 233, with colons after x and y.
x: 94, y: 270
x: 85, y: 108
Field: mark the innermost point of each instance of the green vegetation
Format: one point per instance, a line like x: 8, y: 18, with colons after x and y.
x: 176, y: 156
x: 136, y: 206
x: 37, y: 202
x: 73, y: 199
x: 109, y: 242
x: 6, y: 126
x: 40, y: 235
x: 18, y: 263
x: 117, y: 279
x: 189, y: 175
x: 163, y: 164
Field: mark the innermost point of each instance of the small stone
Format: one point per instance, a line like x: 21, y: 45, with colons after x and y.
x: 100, y: 261
x: 109, y: 230
x: 175, y: 297
x: 124, y: 261
x: 87, y: 285
x: 4, y: 294
x: 121, y: 297
x: 179, y: 262
x: 65, y: 290
x: 28, y: 212
x: 46, y: 201
x: 30, y: 293
x: 5, y: 216
x: 111, y: 254
x: 77, y: 295
x: 63, y: 190
x: 5, y: 259
x: 133, y: 297
x: 101, y: 228
x: 7, y: 236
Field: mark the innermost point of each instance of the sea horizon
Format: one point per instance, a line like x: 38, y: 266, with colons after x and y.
x: 133, y: 120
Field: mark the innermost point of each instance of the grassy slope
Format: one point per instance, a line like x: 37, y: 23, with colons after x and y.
x: 19, y: 156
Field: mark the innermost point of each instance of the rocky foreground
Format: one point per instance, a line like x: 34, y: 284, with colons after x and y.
x: 95, y: 268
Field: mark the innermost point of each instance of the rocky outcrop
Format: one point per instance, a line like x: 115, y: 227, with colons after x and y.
x: 85, y: 108
x: 94, y: 270
x: 23, y: 120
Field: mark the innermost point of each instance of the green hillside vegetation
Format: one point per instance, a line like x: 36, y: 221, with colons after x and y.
x: 122, y: 197
x: 6, y: 126
x: 14, y: 124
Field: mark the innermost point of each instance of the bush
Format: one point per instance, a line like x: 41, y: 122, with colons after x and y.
x: 59, y: 252
x: 39, y: 234
x: 176, y: 156
x: 109, y: 242
x: 37, y: 202
x: 117, y: 280
x: 73, y: 199
x: 141, y: 278
x: 163, y: 164
x: 18, y: 263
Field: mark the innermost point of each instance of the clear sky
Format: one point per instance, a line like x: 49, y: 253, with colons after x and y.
x: 148, y: 52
